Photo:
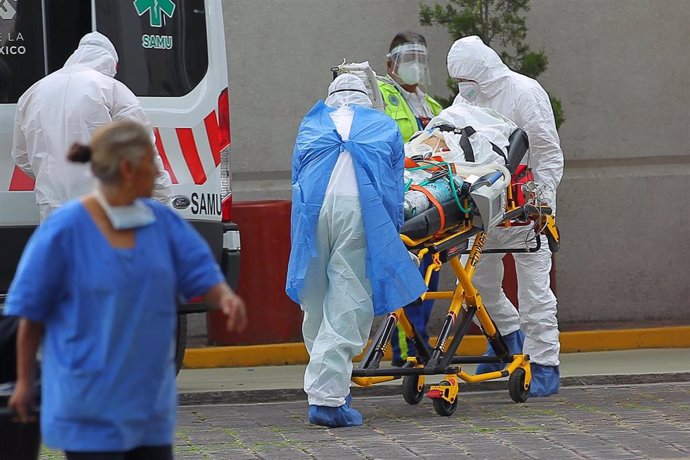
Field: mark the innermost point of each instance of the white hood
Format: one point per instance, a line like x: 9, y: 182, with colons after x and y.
x: 347, y: 89
x: 96, y: 52
x: 469, y: 58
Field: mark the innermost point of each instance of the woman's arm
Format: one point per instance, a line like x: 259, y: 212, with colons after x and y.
x: 223, y: 298
x: 28, y: 339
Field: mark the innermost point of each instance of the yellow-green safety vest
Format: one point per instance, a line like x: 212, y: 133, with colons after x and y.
x: 398, y: 109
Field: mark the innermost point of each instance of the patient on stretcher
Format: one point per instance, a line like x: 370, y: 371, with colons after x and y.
x: 461, y: 157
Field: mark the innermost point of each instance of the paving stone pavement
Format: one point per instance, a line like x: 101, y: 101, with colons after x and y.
x: 592, y: 422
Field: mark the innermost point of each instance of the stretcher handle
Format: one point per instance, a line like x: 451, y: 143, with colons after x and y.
x: 534, y: 248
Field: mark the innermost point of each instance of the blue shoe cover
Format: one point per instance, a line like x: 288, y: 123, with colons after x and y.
x: 546, y: 380
x: 348, y: 400
x: 514, y: 341
x: 334, y: 417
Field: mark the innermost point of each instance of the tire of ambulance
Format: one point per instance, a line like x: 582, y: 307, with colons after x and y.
x: 516, y: 386
x: 180, y: 341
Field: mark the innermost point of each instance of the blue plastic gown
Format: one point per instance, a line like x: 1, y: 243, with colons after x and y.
x: 395, y: 280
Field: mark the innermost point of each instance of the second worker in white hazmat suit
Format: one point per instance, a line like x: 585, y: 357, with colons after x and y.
x: 484, y: 80
x: 65, y: 107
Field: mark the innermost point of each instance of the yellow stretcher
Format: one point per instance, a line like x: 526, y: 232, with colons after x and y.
x: 446, y: 247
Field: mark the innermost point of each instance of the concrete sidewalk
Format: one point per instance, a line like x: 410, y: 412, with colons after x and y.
x: 284, y: 383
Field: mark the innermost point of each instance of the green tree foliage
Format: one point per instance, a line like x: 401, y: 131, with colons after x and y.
x: 501, y: 25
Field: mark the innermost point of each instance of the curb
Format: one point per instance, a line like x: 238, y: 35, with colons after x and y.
x: 472, y: 345
x: 297, y: 394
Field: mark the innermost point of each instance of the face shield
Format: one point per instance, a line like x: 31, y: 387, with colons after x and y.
x: 409, y: 63
x: 347, y: 89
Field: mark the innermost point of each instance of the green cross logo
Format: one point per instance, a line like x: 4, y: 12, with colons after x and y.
x: 156, y: 8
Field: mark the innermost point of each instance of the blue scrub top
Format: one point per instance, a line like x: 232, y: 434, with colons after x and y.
x: 109, y: 314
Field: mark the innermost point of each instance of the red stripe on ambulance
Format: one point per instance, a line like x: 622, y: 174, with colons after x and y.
x: 191, y: 154
x: 20, y: 182
x: 164, y: 157
x: 211, y: 123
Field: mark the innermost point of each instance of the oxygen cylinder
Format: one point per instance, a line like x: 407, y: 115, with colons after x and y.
x: 416, y: 202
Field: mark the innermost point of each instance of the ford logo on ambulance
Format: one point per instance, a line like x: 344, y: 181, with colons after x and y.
x: 180, y: 202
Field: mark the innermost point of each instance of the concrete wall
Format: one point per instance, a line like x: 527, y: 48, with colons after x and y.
x: 281, y: 52
x: 622, y: 70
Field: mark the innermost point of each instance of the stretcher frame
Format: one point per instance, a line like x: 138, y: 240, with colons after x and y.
x: 446, y: 247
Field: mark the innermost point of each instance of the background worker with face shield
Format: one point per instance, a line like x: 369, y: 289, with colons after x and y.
x: 411, y: 109
x: 67, y: 106
x: 485, y: 81
x: 347, y: 262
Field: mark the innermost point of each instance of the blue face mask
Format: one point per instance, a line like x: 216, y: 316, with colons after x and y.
x: 137, y: 214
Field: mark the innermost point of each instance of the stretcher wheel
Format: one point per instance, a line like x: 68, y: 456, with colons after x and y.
x: 443, y: 407
x: 410, y: 391
x: 516, y: 386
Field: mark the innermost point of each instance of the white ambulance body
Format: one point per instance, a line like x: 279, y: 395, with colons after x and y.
x: 172, y: 56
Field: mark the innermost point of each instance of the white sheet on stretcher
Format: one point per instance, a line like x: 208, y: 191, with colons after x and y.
x: 490, y: 126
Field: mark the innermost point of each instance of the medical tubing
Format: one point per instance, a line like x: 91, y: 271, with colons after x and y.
x: 455, y: 192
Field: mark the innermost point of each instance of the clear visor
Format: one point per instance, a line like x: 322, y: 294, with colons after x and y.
x: 410, y: 64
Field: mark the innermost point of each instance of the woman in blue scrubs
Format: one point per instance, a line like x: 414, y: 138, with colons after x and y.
x: 98, y: 283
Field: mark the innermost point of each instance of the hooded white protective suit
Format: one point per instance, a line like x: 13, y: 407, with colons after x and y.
x: 337, y: 316
x: 67, y: 106
x: 524, y: 101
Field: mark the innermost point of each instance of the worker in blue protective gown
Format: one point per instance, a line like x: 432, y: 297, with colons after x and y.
x: 347, y: 262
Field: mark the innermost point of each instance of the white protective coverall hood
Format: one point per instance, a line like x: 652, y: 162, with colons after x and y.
x: 347, y: 89
x: 67, y: 106
x: 524, y: 101
x: 519, y: 98
x: 96, y: 52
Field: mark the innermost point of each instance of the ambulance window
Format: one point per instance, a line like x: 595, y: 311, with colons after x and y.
x: 161, y: 44
x: 66, y: 23
x: 22, y: 56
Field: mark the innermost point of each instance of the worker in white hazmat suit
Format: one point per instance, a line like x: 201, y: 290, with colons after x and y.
x: 484, y: 80
x: 347, y: 262
x: 66, y: 107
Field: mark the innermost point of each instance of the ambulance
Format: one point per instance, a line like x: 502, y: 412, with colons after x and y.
x: 172, y: 56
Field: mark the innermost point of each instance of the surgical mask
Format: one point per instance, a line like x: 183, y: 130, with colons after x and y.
x: 411, y: 73
x: 469, y: 90
x: 126, y: 217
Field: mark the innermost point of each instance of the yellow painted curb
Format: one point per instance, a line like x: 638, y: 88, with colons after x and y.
x: 472, y: 345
